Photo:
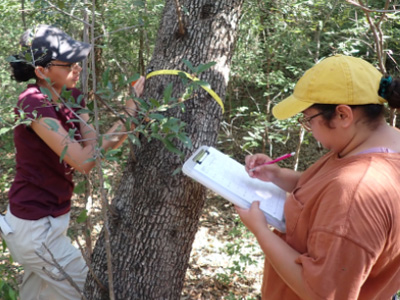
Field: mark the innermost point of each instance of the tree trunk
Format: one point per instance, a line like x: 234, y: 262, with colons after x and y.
x: 158, y: 213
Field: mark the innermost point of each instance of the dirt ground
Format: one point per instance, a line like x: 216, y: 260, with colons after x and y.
x: 213, y: 272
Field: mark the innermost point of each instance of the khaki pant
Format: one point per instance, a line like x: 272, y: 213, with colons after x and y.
x: 42, y: 280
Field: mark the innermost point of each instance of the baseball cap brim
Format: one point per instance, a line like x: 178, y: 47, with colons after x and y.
x: 289, y: 107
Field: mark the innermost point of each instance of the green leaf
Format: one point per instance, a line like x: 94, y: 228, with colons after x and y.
x: 83, y: 111
x: 202, y: 68
x: 168, y: 92
x: 52, y: 124
x: 171, y: 147
x: 46, y: 92
x: 79, y: 99
x: 189, y: 65
x: 63, y: 153
x: 202, y: 83
x: 185, y: 10
x: 143, y: 105
x: 111, y: 154
x: 139, y: 3
x: 184, y: 77
x: 12, y: 59
x: 135, y: 77
x: 135, y: 140
x: 154, y: 127
x: 187, y: 142
x: 61, y: 4
x: 176, y: 171
x: 158, y: 117
x: 82, y: 216
x: 4, y: 130
x: 4, y: 245
x: 90, y: 160
x: 155, y: 103
x: 71, y: 133
x: 67, y: 95
x: 106, y: 77
x: 90, y: 105
x: 80, y: 188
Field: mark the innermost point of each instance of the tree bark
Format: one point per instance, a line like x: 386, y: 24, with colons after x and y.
x: 158, y: 213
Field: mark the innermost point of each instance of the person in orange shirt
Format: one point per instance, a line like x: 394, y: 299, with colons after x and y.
x: 342, y: 237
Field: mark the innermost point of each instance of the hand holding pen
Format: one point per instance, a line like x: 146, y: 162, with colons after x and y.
x: 255, y: 162
x: 274, y: 160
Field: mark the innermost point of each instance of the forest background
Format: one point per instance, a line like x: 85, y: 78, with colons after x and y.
x: 277, y: 42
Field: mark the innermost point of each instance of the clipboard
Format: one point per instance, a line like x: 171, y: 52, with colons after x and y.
x: 228, y: 178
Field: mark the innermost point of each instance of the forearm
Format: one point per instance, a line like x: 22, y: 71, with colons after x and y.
x: 85, y: 161
x: 115, y: 136
x: 282, y: 258
x: 287, y: 179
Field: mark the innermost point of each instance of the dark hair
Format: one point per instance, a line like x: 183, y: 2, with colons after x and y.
x: 372, y: 111
x: 24, y: 70
x: 392, y: 91
x: 389, y: 89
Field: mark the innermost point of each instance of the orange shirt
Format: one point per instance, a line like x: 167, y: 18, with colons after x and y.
x: 344, y: 219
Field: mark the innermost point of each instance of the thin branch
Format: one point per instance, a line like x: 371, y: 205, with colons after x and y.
x: 261, y: 7
x: 65, y: 275
x: 65, y: 13
x: 393, y: 60
x: 107, y: 34
x: 378, y: 39
x: 103, y: 197
x: 130, y: 143
x: 385, y: 11
x: 23, y: 14
x: 88, y: 263
x: 182, y: 29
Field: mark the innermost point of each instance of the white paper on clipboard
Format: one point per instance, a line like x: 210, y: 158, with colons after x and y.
x: 228, y: 178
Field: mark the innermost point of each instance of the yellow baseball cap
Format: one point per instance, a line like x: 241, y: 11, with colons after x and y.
x: 338, y: 79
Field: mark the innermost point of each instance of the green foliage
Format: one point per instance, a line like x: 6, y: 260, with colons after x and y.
x: 7, y: 292
x: 150, y: 120
x: 242, y: 254
x: 232, y: 296
x: 277, y: 42
x: 8, y: 280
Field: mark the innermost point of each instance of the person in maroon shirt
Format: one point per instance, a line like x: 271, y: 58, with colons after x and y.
x: 53, y: 128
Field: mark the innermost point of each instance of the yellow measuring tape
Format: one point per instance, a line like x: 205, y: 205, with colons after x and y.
x: 176, y: 72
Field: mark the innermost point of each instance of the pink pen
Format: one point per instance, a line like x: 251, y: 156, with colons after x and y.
x: 275, y: 160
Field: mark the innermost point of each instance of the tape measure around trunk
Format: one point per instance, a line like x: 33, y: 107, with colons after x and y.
x: 176, y: 72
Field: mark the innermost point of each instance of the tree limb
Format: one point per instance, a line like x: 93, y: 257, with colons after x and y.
x: 65, y: 13
x: 59, y: 268
x: 363, y: 7
x: 88, y: 263
x: 182, y: 29
x: 103, y: 197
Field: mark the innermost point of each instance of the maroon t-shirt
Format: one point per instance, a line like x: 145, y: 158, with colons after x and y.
x: 42, y: 185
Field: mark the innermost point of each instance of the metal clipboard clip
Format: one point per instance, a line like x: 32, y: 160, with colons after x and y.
x: 201, y: 156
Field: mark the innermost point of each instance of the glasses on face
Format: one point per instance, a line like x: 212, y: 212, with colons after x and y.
x: 305, y: 121
x: 71, y: 66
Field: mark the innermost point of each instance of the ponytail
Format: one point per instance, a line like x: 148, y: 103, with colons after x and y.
x: 23, y: 64
x: 389, y: 89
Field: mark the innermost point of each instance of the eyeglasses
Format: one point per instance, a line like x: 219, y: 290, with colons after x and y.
x: 71, y: 66
x: 305, y: 121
